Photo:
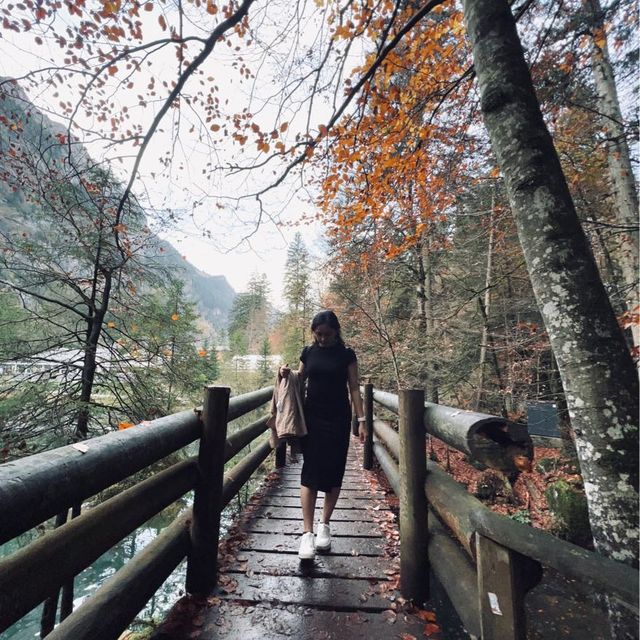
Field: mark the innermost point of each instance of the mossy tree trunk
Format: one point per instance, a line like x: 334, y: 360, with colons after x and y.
x: 597, y: 370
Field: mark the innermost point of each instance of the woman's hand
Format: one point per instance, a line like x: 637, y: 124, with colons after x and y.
x: 362, y: 431
x: 284, y: 371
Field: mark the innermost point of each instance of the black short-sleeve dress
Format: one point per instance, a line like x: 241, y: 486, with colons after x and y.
x: 327, y: 412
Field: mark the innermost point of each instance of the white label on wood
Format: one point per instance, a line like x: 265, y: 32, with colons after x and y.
x: 493, y: 602
x: 82, y: 448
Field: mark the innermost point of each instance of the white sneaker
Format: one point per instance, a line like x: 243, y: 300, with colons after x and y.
x: 323, y: 537
x: 307, y: 547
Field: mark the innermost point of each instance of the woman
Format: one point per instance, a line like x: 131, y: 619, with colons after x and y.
x: 329, y: 367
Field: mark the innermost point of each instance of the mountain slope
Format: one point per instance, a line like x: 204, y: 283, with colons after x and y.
x: 24, y: 129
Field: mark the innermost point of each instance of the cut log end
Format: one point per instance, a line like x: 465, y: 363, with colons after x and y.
x: 505, y: 446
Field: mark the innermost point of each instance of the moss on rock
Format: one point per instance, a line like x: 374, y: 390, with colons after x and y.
x: 569, y: 507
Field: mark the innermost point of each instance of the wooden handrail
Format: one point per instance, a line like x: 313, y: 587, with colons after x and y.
x: 124, y: 594
x: 32, y: 482
x: 466, y: 515
x: 74, y: 546
x: 109, y: 611
x: 451, y: 501
x: 491, y: 440
x: 570, y: 560
x: 241, y: 438
x: 239, y: 405
x: 447, y: 559
x: 35, y: 488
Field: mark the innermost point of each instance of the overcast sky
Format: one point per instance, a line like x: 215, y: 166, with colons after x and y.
x: 216, y: 231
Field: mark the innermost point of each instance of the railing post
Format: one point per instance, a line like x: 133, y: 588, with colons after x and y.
x: 414, y: 560
x: 281, y: 455
x: 367, y: 462
x: 207, y: 501
x: 501, y: 594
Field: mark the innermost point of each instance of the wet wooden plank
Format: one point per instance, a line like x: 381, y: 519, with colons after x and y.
x: 291, y: 527
x: 289, y: 544
x: 352, y: 486
x: 329, y: 593
x: 239, y: 621
x: 295, y: 513
x: 343, y: 503
x: 345, y: 493
x: 349, y: 476
x: 349, y: 472
x: 327, y: 565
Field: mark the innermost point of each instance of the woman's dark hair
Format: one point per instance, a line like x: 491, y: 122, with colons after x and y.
x: 331, y: 320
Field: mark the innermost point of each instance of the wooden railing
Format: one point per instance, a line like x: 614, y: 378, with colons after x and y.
x: 486, y: 562
x: 35, y: 488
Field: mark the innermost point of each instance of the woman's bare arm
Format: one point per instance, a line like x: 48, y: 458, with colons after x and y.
x: 356, y: 398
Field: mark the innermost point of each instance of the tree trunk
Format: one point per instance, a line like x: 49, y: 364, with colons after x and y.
x: 432, y: 389
x: 496, y: 365
x: 598, y: 373
x: 50, y: 607
x: 486, y: 306
x: 423, y: 332
x: 89, y: 364
x: 618, y: 158
x: 66, y: 601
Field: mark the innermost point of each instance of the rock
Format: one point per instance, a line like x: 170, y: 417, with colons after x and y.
x: 493, y: 484
x: 546, y: 465
x: 569, y: 507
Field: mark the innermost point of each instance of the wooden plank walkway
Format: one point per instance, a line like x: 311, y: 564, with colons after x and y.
x: 267, y: 593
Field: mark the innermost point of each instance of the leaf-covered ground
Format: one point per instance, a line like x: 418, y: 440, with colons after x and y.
x: 527, y: 503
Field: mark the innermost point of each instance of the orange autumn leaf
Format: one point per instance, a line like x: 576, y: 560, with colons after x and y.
x: 202, y: 353
x: 430, y: 628
x: 125, y: 425
x: 427, y: 616
x: 111, y: 325
x: 175, y: 317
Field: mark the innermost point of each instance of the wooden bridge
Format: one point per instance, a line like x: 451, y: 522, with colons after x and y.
x: 252, y: 585
x: 265, y: 591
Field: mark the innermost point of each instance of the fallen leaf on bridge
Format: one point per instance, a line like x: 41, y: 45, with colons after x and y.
x: 355, y: 618
x: 390, y: 616
x: 427, y: 616
x: 430, y: 628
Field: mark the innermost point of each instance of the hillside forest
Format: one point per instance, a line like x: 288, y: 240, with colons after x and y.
x: 472, y: 164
